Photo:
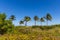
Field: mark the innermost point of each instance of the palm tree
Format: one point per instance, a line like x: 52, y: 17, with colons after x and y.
x: 12, y: 17
x: 21, y: 22
x: 48, y: 18
x: 42, y: 20
x: 26, y: 19
x: 36, y: 19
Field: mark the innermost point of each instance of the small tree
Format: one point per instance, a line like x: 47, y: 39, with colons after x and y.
x: 21, y: 22
x: 48, y: 18
x: 36, y: 19
x: 26, y: 19
x: 12, y: 17
x: 42, y: 20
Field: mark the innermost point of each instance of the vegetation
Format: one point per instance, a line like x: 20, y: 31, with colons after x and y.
x: 10, y: 32
x: 26, y: 19
x: 36, y: 19
x: 42, y: 20
x: 12, y: 17
x: 48, y: 18
x: 21, y: 22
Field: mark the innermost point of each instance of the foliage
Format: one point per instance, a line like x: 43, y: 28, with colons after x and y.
x: 26, y: 19
x: 42, y: 20
x: 29, y: 33
x: 5, y: 25
x: 21, y: 22
x: 36, y: 19
x: 48, y: 17
x: 10, y: 32
x: 12, y: 17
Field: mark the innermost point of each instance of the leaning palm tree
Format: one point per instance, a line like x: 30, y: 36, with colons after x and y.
x: 12, y: 17
x: 21, y: 22
x: 42, y: 20
x: 48, y: 18
x: 36, y: 19
x: 26, y: 19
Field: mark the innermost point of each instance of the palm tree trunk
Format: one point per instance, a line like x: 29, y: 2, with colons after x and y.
x: 26, y: 23
x: 47, y: 22
x: 20, y: 25
x: 35, y: 23
x: 41, y: 23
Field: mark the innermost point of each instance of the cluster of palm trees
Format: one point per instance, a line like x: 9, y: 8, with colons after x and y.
x: 48, y: 17
x: 26, y: 19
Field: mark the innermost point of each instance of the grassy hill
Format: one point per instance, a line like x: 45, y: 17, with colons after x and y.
x: 33, y: 33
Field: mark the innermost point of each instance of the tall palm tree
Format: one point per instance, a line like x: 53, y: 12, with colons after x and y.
x: 26, y: 19
x: 21, y: 22
x: 36, y: 19
x: 12, y: 17
x: 42, y: 20
x: 48, y: 18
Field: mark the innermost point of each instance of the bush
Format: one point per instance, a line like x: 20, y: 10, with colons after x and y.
x: 35, y: 26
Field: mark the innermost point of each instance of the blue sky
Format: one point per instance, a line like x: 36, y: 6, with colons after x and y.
x: 21, y: 8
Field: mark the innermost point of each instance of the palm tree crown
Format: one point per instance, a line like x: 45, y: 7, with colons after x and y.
x: 12, y: 17
x: 26, y: 19
x: 42, y: 20
x: 48, y: 16
x: 21, y: 22
x: 36, y: 18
